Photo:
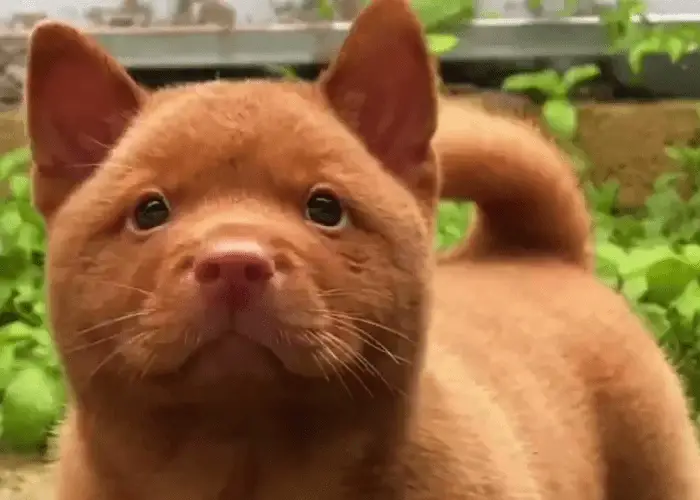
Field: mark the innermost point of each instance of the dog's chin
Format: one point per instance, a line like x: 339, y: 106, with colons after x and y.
x: 237, y: 354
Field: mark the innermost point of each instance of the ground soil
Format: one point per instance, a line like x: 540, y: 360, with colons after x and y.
x: 627, y: 141
x: 25, y: 478
x: 11, y: 131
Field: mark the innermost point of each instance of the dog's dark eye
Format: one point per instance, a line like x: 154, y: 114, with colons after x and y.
x: 325, y: 209
x: 152, y: 211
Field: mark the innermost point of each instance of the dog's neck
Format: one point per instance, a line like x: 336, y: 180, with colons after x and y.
x: 201, y: 442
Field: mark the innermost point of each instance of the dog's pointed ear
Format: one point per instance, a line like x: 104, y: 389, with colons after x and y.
x: 79, y: 101
x: 382, y: 85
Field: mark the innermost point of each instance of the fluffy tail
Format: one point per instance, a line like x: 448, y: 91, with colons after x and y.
x: 527, y: 194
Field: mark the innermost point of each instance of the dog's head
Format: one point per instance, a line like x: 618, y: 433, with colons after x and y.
x: 222, y: 239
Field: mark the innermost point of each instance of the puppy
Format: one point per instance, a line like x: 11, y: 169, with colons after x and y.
x: 243, y: 291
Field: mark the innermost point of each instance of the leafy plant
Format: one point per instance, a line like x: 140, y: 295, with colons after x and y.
x: 559, y: 113
x: 441, y: 19
x: 619, y: 22
x: 569, y: 8
x: 31, y: 392
x: 453, y: 219
x: 629, y: 32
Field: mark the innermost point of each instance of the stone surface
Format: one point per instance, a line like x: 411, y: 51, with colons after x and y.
x: 12, y: 71
x: 624, y: 141
x: 627, y: 141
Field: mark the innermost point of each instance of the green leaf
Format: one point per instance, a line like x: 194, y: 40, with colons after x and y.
x: 688, y: 303
x: 14, y: 162
x: 19, y: 187
x: 609, y: 257
x: 7, y: 363
x: 6, y: 292
x: 10, y: 221
x: 655, y: 317
x: 29, y: 409
x: 534, y: 6
x: 640, y: 259
x: 440, y: 44
x: 633, y: 289
x: 325, y: 9
x: 604, y: 198
x: 668, y: 278
x: 443, y: 16
x: 579, y: 74
x: 29, y: 238
x: 675, y: 153
x: 676, y: 49
x: 692, y: 254
x: 641, y: 50
x: 282, y: 71
x: 454, y: 220
x: 17, y: 332
x: 547, y: 82
x: 561, y: 117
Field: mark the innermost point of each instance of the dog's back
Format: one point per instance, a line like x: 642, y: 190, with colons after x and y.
x: 553, y: 387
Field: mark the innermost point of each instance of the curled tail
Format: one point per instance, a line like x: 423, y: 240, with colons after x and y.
x: 527, y: 194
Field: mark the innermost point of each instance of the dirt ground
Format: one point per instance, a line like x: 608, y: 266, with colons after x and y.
x: 25, y: 478
x: 11, y: 131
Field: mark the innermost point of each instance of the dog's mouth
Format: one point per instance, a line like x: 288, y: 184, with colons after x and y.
x: 231, y: 353
x: 254, y: 348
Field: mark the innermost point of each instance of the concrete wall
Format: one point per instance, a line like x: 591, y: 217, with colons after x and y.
x: 262, y: 11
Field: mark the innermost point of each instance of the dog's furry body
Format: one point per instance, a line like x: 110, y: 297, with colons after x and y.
x: 507, y: 373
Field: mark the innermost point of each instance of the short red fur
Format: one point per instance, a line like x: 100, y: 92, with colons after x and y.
x: 243, y: 291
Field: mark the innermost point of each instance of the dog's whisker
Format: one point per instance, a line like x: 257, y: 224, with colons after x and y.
x: 114, y: 321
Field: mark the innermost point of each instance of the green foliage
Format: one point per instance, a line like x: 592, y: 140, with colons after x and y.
x: 453, y: 218
x: 641, y: 39
x: 560, y: 115
x: 325, y: 9
x: 443, y: 15
x: 653, y: 259
x: 31, y: 393
x: 569, y: 8
x: 441, y: 19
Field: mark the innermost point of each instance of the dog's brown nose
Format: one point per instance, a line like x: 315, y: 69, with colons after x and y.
x: 235, y: 271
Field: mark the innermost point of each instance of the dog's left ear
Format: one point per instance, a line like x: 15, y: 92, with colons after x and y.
x: 382, y: 85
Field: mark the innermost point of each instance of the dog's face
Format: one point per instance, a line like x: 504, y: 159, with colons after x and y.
x: 219, y: 238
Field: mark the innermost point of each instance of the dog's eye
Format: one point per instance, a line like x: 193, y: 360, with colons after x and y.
x: 325, y: 209
x: 152, y: 211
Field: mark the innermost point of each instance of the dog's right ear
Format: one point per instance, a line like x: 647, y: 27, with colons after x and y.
x: 79, y: 102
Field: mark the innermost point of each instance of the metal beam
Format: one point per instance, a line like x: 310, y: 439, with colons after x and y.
x: 192, y: 46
